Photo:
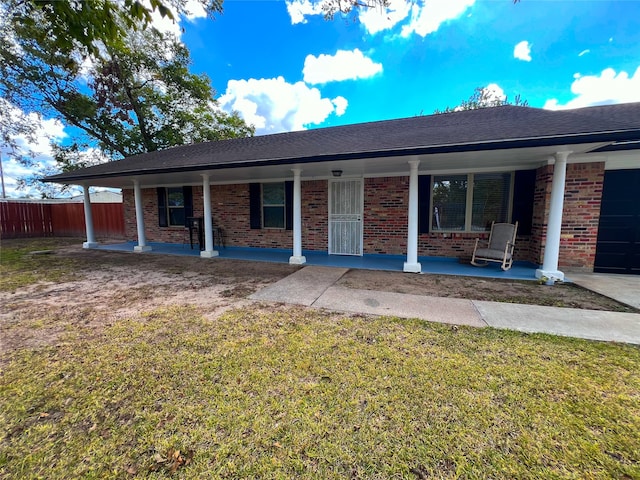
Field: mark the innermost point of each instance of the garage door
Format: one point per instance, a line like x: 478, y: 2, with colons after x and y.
x: 618, y: 247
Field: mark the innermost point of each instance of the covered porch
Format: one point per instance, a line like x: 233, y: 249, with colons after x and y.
x: 392, y: 263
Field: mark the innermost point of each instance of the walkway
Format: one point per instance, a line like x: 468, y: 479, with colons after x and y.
x: 313, y: 286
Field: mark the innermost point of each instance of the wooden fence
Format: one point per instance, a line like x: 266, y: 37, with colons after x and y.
x: 26, y: 219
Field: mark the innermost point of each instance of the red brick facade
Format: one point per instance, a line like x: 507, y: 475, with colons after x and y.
x: 385, y: 219
x: 386, y: 201
x: 541, y: 199
x: 315, y: 214
x: 583, y: 195
x: 581, y: 213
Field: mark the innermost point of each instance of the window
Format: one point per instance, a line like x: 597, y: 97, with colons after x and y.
x: 469, y: 203
x: 175, y: 206
x: 273, y: 202
x: 449, y: 202
x: 490, y: 200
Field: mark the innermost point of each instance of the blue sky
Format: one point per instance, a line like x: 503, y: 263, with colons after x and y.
x: 284, y: 67
x: 284, y: 70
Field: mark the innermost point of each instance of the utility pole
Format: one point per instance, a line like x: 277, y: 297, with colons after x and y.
x: 4, y: 193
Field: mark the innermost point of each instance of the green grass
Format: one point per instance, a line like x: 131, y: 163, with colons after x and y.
x: 296, y: 393
x: 19, y: 267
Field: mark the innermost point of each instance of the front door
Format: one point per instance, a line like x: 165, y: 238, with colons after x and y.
x: 345, y: 217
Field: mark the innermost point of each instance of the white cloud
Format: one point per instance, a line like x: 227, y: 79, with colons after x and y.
x: 193, y: 9
x: 376, y: 19
x: 341, y: 104
x: 273, y: 105
x: 606, y: 88
x: 522, y: 51
x: 344, y: 65
x: 427, y: 16
x: 584, y: 52
x: 299, y: 9
x: 492, y: 93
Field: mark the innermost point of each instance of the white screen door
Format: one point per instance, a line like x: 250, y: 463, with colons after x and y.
x: 345, y: 217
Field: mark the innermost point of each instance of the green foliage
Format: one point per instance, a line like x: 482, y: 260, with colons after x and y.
x: 91, y: 23
x: 126, y: 88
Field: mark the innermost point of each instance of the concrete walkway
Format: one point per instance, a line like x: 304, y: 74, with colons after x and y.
x: 313, y: 286
x: 623, y: 288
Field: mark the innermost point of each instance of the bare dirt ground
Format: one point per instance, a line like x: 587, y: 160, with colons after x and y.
x: 108, y: 286
x: 489, y: 289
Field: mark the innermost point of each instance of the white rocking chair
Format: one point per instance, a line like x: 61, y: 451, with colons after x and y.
x: 502, y: 240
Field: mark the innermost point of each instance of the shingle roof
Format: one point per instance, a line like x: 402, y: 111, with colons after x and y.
x: 488, y: 128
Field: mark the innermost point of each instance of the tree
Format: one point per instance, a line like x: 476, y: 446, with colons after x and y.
x: 137, y: 95
x: 483, y: 97
x: 91, y: 23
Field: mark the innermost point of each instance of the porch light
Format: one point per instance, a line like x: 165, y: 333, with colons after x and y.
x: 336, y: 173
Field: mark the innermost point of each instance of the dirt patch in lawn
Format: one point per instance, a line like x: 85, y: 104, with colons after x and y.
x: 89, y: 290
x: 489, y: 289
x: 100, y: 288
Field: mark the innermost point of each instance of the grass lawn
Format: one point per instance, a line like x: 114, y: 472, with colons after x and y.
x: 263, y: 391
x: 295, y: 393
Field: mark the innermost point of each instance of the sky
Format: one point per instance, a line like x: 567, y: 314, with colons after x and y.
x: 283, y: 67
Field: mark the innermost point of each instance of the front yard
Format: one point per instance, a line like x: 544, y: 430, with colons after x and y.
x: 135, y: 366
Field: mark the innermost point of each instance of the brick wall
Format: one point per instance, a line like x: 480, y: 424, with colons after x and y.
x: 315, y: 215
x: 230, y: 209
x: 130, y: 232
x: 385, y: 219
x: 581, y: 213
x: 541, y: 199
x: 153, y: 232
x: 386, y: 202
x: 583, y: 195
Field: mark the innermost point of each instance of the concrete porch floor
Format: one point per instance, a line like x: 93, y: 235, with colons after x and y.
x: 393, y: 263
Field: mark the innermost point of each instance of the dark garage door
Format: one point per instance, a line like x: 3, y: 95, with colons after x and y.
x: 618, y: 248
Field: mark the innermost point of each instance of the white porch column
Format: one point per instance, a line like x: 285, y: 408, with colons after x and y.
x: 554, y: 225
x: 88, y: 220
x: 208, y: 251
x: 412, y: 265
x: 297, y: 258
x: 142, y: 241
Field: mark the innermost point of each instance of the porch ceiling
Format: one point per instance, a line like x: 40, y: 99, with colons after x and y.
x: 488, y: 160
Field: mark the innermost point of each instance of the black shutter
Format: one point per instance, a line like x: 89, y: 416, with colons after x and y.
x: 255, y: 206
x: 162, y: 207
x: 187, y: 194
x: 288, y: 204
x: 424, y: 203
x: 524, y: 187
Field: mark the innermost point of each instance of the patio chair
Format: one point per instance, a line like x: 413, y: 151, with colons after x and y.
x: 502, y: 240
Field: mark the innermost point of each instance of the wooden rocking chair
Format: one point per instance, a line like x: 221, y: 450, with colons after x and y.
x: 502, y: 240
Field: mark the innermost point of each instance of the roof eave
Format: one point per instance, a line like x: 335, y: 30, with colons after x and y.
x: 612, y: 136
